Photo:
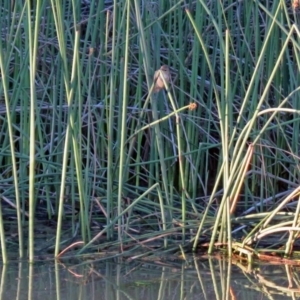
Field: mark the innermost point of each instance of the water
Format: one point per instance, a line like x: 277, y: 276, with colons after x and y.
x: 95, y: 278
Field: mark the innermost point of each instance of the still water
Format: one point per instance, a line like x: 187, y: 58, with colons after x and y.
x: 98, y: 278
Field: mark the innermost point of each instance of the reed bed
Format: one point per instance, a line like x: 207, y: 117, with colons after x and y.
x: 92, y: 154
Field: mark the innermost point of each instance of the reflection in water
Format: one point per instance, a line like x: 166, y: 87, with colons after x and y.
x: 120, y: 279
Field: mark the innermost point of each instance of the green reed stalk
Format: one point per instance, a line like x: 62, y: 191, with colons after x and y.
x: 180, y: 160
x: 70, y: 85
x: 143, y: 43
x: 33, y: 43
x: 160, y: 148
x: 110, y: 103
x: 4, y: 70
x: 2, y: 238
x: 77, y: 142
x: 122, y: 170
x: 58, y: 19
x: 227, y: 152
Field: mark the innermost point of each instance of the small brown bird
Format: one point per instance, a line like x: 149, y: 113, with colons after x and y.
x: 158, y: 81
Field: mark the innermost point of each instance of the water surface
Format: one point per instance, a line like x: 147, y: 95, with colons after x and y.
x: 95, y: 278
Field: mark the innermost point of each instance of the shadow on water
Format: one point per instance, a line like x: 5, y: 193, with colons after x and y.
x: 145, y: 279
